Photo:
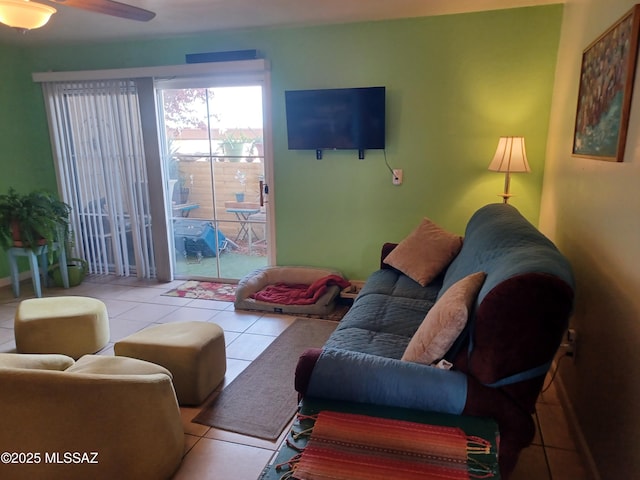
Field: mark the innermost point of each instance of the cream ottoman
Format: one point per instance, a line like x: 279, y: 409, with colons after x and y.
x: 194, y: 353
x: 72, y: 326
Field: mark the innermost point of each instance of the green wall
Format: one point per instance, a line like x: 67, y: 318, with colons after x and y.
x: 25, y: 157
x: 454, y: 85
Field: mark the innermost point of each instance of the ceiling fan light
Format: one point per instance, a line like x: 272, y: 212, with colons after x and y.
x: 24, y: 14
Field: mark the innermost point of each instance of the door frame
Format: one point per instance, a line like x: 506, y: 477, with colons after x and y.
x: 262, y: 79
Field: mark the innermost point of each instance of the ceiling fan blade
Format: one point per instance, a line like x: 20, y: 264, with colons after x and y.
x: 110, y: 7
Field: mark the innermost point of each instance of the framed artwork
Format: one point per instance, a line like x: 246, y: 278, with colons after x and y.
x: 606, y: 85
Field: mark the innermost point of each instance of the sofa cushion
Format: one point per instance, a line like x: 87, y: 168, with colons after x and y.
x: 362, y: 340
x: 393, y: 282
x: 386, y: 313
x: 379, y: 325
x: 444, y: 322
x: 38, y: 361
x: 425, y: 252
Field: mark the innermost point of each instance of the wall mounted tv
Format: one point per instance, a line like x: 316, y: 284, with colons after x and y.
x: 336, y: 119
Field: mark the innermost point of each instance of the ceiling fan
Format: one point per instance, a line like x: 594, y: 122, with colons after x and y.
x: 25, y: 15
x: 110, y: 7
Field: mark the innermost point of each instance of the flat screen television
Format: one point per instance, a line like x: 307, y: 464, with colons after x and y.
x: 336, y: 119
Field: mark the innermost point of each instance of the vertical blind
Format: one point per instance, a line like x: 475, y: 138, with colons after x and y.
x: 98, y: 148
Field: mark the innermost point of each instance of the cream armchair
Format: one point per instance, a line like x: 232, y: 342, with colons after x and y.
x: 101, y: 417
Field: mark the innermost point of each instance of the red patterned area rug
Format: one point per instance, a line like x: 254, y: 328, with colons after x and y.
x: 345, y: 446
x: 225, y: 292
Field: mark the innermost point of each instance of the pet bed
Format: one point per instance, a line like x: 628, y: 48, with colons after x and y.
x: 259, y: 279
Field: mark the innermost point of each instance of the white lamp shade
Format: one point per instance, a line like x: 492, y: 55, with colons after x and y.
x: 24, y: 14
x: 510, y: 156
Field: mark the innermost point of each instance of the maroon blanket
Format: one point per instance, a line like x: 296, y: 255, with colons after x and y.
x: 299, y: 294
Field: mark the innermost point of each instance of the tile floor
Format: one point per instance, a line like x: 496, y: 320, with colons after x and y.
x: 220, y: 455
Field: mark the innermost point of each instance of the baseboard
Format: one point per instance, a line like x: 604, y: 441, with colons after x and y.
x: 6, y: 281
x: 581, y: 444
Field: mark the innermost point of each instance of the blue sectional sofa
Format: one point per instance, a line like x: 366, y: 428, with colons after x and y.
x: 499, y: 360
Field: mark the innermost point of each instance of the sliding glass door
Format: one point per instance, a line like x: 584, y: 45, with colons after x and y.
x: 213, y: 140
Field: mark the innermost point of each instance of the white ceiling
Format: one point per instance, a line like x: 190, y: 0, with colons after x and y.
x: 184, y: 17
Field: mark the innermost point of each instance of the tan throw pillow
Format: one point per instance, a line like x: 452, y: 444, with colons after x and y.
x: 444, y: 322
x: 427, y: 251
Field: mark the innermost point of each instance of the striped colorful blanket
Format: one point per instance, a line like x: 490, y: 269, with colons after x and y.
x: 357, y: 447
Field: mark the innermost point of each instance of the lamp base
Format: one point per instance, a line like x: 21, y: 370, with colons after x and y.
x: 505, y: 197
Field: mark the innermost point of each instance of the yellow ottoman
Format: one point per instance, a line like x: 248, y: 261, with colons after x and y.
x: 194, y: 353
x: 72, y: 326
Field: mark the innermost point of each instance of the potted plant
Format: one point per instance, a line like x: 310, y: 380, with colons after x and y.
x: 242, y: 178
x: 77, y: 268
x: 32, y: 220
x: 233, y: 146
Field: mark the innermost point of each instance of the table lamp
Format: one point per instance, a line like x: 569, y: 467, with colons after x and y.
x: 510, y: 157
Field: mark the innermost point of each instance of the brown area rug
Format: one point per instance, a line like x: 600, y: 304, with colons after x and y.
x: 262, y: 400
x: 336, y: 315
